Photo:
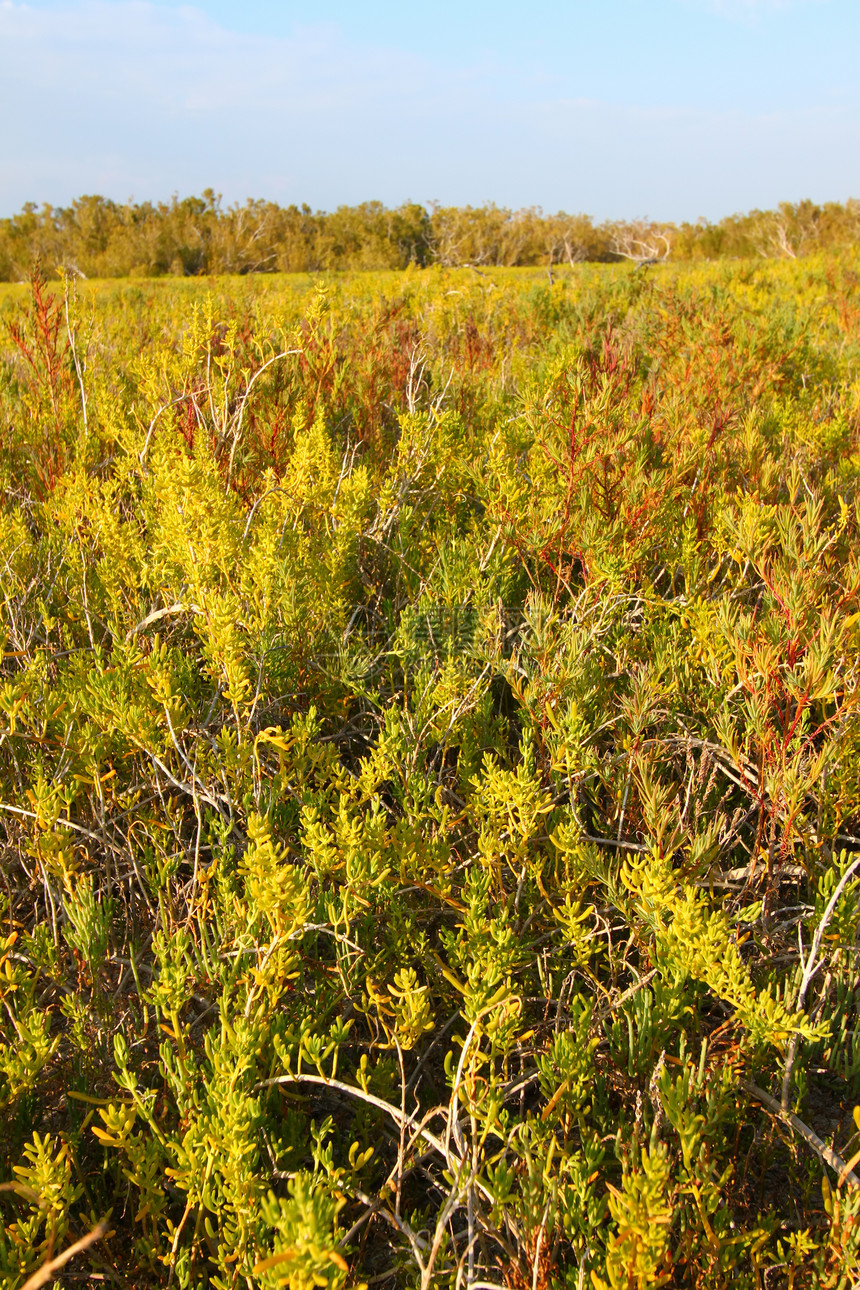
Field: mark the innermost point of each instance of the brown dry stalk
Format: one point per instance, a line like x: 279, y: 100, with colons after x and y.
x: 46, y: 1272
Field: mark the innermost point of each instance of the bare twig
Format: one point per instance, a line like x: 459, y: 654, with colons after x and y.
x: 809, y: 971
x: 180, y: 607
x: 237, y: 431
x: 821, y: 1149
x: 180, y: 398
x: 47, y: 1270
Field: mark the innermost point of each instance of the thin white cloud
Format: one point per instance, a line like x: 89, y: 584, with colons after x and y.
x: 133, y: 98
x: 134, y: 84
x: 178, y: 57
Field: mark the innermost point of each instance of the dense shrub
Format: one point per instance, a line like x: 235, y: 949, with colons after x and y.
x: 429, y: 787
x: 99, y: 238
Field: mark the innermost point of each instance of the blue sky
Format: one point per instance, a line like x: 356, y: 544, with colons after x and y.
x: 671, y: 109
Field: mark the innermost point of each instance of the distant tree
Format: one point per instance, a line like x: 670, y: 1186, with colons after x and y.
x: 98, y: 237
x: 641, y: 241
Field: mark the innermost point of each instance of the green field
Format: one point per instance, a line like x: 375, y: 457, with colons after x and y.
x: 430, y: 779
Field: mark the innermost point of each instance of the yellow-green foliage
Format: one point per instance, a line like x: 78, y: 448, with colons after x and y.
x: 430, y: 778
x: 195, y: 235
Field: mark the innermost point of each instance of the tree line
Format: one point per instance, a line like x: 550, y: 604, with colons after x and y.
x: 97, y: 237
